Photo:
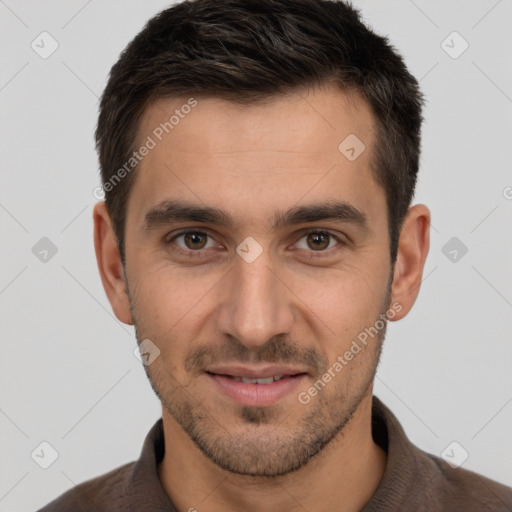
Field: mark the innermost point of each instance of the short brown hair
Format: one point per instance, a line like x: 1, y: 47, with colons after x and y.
x: 247, y: 51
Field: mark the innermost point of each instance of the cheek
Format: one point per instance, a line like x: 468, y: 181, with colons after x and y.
x: 170, y: 303
x: 343, y: 305
x: 349, y: 292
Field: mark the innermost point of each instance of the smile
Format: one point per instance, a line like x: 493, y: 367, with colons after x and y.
x: 267, y: 380
x: 255, y: 387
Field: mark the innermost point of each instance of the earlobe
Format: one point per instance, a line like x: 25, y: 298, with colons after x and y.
x: 110, y: 265
x: 412, y: 253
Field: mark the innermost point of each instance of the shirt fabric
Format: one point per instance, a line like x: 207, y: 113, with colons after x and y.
x: 413, y: 480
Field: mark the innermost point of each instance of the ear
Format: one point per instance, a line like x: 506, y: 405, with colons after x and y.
x: 110, y: 265
x: 413, y: 248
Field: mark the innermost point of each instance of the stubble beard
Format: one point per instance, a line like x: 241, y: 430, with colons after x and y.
x: 265, y: 446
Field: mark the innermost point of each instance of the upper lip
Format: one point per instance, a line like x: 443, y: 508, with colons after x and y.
x: 254, y: 372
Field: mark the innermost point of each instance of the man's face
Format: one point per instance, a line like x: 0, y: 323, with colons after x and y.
x: 272, y: 287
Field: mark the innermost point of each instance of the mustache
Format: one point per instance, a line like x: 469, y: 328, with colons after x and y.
x: 275, y: 350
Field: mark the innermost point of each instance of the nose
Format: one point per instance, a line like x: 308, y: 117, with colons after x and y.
x: 257, y: 305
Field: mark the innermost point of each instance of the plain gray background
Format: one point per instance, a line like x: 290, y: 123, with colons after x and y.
x: 68, y: 373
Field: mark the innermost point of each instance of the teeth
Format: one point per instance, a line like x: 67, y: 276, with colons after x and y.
x: 267, y: 380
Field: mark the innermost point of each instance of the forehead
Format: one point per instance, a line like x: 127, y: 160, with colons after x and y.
x: 315, y: 120
x: 253, y: 158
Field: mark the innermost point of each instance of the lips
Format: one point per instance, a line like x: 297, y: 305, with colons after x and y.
x: 254, y: 372
x: 255, y: 386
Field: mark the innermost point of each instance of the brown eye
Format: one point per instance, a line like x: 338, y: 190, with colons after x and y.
x: 192, y: 241
x: 192, y: 244
x: 318, y: 241
x: 195, y: 240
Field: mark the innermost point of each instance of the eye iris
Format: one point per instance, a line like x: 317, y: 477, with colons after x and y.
x: 195, y: 240
x: 318, y: 241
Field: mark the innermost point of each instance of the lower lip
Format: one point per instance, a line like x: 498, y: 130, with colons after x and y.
x: 256, y: 395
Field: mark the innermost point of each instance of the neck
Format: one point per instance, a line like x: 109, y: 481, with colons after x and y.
x: 346, y: 472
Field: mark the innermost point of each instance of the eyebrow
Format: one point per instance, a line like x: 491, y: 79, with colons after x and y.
x: 171, y: 211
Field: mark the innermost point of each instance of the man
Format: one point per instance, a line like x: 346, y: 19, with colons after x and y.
x: 259, y: 159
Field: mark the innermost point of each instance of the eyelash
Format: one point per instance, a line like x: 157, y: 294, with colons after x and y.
x: 201, y: 252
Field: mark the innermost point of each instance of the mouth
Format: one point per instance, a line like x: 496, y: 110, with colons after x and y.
x: 256, y: 387
x: 266, y: 380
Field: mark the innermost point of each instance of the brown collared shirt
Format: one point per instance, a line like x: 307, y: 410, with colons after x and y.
x: 413, y: 480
